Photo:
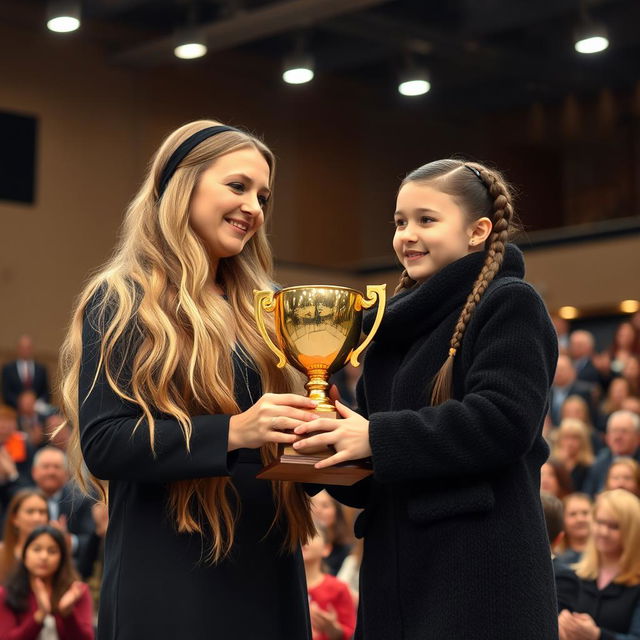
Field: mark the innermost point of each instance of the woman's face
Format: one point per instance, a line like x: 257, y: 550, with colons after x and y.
x: 42, y: 557
x: 432, y: 231
x: 606, y: 532
x: 570, y: 444
x: 621, y: 476
x: 625, y: 336
x: 228, y: 202
x: 31, y: 513
x: 618, y: 390
x: 574, y: 409
x: 549, y: 480
x: 323, y: 509
x: 577, y: 518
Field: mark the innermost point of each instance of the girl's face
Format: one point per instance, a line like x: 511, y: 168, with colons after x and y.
x: 228, y: 201
x: 31, y: 513
x: 323, y: 509
x: 577, y: 518
x: 42, y: 557
x: 606, y: 532
x: 548, y: 480
x: 621, y: 476
x: 315, y: 549
x: 432, y: 231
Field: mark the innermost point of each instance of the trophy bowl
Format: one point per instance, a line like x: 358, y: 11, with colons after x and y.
x: 318, y: 331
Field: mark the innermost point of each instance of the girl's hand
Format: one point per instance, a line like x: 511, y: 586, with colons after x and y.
x: 42, y: 599
x: 325, y: 621
x: 268, y: 418
x: 349, y: 436
x: 70, y: 597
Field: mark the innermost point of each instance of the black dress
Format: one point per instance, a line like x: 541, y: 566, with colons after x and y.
x: 156, y: 583
x: 455, y: 544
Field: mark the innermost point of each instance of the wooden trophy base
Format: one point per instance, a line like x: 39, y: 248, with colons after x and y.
x: 299, y: 467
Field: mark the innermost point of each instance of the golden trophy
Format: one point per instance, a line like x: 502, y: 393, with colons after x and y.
x: 318, y: 329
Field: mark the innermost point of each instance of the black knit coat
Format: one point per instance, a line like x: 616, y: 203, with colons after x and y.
x: 455, y: 545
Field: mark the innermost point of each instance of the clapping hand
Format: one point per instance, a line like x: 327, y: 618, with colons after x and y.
x: 70, y: 597
x: 325, y: 621
x: 577, y: 626
x: 43, y: 599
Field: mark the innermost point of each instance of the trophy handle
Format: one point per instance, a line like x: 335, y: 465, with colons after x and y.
x: 264, y: 300
x: 374, y: 292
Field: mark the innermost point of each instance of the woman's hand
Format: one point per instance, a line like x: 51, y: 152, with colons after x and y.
x: 577, y: 626
x: 70, y: 597
x: 267, y: 420
x: 349, y: 436
x: 326, y: 622
x: 43, y: 599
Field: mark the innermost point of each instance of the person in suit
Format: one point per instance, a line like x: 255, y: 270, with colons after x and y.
x: 582, y: 349
x: 68, y: 507
x: 451, y: 405
x: 24, y: 374
x: 623, y: 439
x: 181, y: 403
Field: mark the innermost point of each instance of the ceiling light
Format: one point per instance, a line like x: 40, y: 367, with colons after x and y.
x: 298, y: 69
x: 591, y: 38
x: 568, y: 313
x: 189, y: 45
x: 414, y: 83
x: 63, y: 17
x: 630, y: 306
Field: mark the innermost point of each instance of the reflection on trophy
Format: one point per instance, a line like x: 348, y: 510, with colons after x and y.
x: 318, y: 329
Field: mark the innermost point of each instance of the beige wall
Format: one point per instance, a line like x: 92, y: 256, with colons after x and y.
x: 342, y: 151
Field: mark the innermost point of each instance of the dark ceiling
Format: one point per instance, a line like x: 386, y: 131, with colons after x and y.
x: 488, y: 53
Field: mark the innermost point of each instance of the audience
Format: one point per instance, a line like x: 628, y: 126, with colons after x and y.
x: 331, y: 606
x: 329, y: 513
x: 26, y: 511
x: 564, y: 385
x: 24, y: 374
x: 29, y: 420
x: 43, y: 598
x: 608, y: 606
x: 68, y: 507
x: 624, y: 473
x: 573, y: 449
x: 622, y: 439
x: 567, y: 585
x: 576, y: 527
x: 581, y: 351
x: 625, y: 344
x: 555, y: 479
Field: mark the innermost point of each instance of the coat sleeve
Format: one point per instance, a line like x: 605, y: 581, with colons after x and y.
x: 78, y: 625
x: 114, y: 449
x: 512, y: 353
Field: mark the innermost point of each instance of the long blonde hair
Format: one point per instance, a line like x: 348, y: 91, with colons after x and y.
x: 166, y: 344
x: 626, y: 509
x: 574, y: 427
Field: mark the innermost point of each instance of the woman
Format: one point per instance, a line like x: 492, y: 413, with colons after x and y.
x: 555, y: 479
x: 576, y: 407
x: 624, y: 473
x: 453, y: 397
x: 608, y: 607
x: 573, y: 449
x: 577, y: 527
x: 27, y: 510
x: 43, y: 600
x: 179, y: 406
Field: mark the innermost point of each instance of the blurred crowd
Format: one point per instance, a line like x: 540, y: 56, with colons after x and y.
x: 589, y: 486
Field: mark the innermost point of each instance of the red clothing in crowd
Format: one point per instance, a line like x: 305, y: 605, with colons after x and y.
x: 78, y: 625
x: 334, y: 592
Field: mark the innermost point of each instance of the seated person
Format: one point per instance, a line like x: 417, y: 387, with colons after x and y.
x: 608, y: 607
x: 333, y: 614
x: 624, y: 473
x: 573, y: 449
x: 577, y: 527
x: 331, y: 515
x: 567, y: 585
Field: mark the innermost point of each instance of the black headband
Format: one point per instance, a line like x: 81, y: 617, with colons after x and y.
x: 181, y: 152
x: 466, y: 166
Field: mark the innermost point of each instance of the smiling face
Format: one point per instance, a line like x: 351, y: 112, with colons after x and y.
x: 432, y: 230
x: 622, y: 476
x: 227, y: 207
x: 606, y: 532
x: 42, y: 557
x: 577, y: 518
x: 31, y: 513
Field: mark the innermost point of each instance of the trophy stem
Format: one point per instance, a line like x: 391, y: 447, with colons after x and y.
x: 317, y: 388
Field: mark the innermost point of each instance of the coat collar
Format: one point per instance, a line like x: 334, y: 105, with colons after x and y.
x: 434, y: 300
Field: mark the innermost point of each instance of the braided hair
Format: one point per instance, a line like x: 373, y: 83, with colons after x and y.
x: 482, y: 192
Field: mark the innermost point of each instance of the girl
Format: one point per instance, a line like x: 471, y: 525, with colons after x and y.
x: 331, y: 515
x: 167, y: 405
x: 27, y: 510
x: 453, y: 398
x: 608, y: 607
x: 42, y: 599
